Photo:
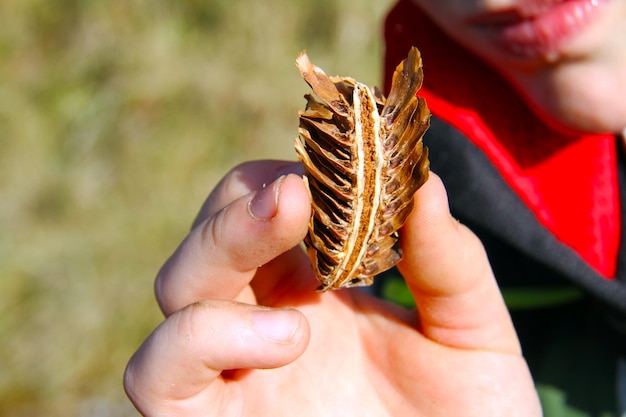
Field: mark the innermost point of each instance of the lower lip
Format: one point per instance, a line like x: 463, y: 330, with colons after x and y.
x: 546, y: 34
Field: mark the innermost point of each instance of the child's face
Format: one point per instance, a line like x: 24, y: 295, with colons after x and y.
x: 567, y: 57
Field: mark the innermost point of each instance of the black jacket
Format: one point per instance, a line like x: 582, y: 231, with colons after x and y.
x: 522, y: 252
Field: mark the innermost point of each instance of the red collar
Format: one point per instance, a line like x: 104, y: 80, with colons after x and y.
x: 570, y: 183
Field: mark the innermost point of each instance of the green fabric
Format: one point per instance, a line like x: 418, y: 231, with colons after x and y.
x: 555, y: 404
x: 535, y: 297
x: 571, y: 359
x: 394, y: 289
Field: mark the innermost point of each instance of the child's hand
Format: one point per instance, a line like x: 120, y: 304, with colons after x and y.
x: 247, y: 335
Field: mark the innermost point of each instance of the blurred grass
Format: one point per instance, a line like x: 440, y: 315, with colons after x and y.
x: 116, y: 120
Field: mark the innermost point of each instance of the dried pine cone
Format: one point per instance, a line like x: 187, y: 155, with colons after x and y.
x: 364, y: 160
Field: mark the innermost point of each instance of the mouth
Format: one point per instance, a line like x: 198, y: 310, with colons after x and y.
x: 540, y: 28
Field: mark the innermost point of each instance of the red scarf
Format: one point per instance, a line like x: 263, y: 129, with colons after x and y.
x: 569, y: 183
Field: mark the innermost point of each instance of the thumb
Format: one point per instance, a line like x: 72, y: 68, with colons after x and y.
x: 449, y: 275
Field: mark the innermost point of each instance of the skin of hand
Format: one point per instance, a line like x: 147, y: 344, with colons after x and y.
x: 246, y: 334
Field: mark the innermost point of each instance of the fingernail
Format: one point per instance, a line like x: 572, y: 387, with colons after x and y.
x: 264, y: 202
x: 276, y: 325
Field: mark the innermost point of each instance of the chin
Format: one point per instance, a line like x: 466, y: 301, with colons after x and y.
x: 592, y: 110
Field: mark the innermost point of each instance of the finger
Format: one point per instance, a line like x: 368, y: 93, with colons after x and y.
x: 242, y: 180
x: 448, y: 272
x: 183, y: 358
x: 219, y: 257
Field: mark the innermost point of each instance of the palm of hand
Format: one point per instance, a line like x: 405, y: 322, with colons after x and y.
x: 366, y: 357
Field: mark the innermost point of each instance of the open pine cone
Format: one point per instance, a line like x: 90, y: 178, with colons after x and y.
x: 364, y: 160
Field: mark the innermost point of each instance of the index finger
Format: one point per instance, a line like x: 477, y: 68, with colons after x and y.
x: 220, y: 256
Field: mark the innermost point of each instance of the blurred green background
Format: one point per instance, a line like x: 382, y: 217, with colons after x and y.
x: 116, y: 120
